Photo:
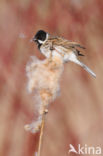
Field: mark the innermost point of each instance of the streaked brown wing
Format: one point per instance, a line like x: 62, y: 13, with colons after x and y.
x: 68, y: 45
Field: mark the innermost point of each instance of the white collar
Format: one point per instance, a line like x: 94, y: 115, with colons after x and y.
x: 42, y: 42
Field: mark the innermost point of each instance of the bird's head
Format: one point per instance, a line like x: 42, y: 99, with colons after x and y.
x: 40, y: 37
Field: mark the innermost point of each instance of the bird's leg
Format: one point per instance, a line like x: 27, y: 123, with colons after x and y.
x: 51, y: 49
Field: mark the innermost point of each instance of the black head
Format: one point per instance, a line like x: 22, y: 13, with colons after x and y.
x: 40, y: 36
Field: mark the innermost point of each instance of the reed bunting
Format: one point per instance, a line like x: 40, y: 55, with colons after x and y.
x: 50, y: 46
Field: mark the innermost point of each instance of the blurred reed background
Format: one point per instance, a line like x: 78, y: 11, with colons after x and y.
x: 76, y: 117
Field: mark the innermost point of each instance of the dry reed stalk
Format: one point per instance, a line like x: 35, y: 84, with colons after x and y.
x: 41, y: 136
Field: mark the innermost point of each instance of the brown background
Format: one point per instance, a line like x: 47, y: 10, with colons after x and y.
x: 76, y: 117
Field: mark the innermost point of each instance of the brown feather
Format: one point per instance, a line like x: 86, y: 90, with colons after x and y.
x: 66, y: 44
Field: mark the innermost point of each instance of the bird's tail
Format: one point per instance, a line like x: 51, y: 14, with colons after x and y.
x: 74, y: 59
x: 86, y: 68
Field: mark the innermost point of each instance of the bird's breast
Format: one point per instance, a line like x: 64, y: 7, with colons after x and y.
x: 45, y: 50
x: 58, y: 52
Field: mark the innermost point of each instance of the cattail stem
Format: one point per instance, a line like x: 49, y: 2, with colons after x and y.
x: 41, y: 135
x: 46, y: 87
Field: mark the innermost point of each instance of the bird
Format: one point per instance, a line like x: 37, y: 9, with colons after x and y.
x: 50, y: 46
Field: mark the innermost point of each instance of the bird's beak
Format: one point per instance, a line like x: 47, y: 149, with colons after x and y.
x: 34, y: 39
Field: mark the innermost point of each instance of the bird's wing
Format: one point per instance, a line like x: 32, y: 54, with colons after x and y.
x: 71, y: 48
x: 67, y: 45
